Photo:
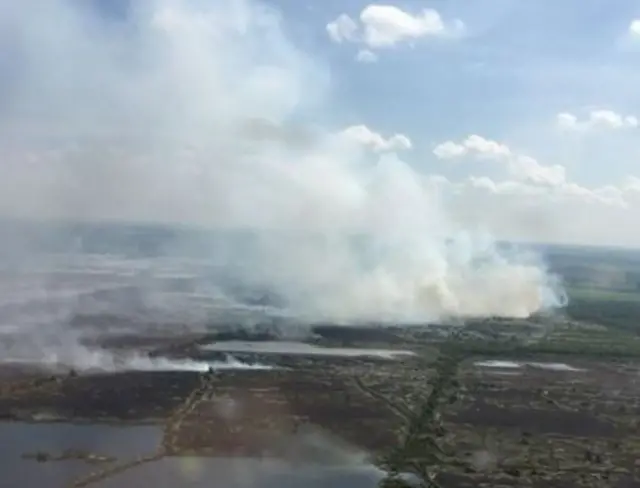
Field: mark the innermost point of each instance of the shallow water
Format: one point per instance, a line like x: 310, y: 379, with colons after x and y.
x: 515, y: 365
x: 555, y: 366
x: 497, y: 364
x: 195, y: 472
x: 18, y: 439
x: 498, y: 372
x: 277, y: 347
x: 315, y: 461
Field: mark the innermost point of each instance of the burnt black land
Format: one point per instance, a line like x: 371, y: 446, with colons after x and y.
x: 438, y: 414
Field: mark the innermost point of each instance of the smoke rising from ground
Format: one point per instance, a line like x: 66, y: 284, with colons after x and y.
x: 187, y: 112
x: 100, y: 360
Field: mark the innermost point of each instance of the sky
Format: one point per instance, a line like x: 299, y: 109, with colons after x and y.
x: 520, y: 118
x: 529, y: 110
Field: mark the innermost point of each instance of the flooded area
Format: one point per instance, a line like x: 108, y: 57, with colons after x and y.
x: 300, y: 348
x: 36, y: 455
x: 56, y: 455
x: 498, y: 364
x: 502, y: 372
x: 555, y: 367
x: 198, y: 472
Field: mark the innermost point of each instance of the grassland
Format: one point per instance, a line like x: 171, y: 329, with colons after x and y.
x: 585, y: 293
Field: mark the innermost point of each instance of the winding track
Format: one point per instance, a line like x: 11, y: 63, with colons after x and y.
x: 400, y: 410
x: 171, y: 429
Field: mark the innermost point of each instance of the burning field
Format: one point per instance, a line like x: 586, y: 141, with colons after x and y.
x: 204, y: 281
x: 116, y: 376
x: 269, y: 416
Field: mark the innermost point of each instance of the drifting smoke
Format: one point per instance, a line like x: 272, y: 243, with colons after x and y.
x: 187, y: 112
x: 100, y: 360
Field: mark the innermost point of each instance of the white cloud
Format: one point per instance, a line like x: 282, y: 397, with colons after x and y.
x: 596, y: 119
x: 539, y: 202
x: 567, y: 212
x: 543, y: 195
x: 384, y: 26
x: 485, y: 147
x: 366, y: 56
x: 519, y: 166
x: 632, y: 183
x: 473, y: 145
x: 362, y: 135
x: 527, y: 168
x: 342, y: 29
x: 634, y: 29
x: 607, y: 118
x: 449, y: 150
x: 387, y: 25
x: 566, y: 120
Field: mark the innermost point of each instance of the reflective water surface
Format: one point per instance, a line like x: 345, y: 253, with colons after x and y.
x: 28, y: 452
x: 54, y: 455
x: 283, y: 347
x: 515, y: 365
x: 243, y: 473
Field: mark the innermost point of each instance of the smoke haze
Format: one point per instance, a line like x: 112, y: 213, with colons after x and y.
x: 187, y: 113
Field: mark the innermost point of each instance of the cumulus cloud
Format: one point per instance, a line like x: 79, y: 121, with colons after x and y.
x: 568, y: 212
x: 343, y: 29
x: 596, y: 120
x: 385, y: 26
x: 632, y: 183
x: 529, y: 169
x: 366, y: 56
x: 362, y: 135
x: 520, y: 166
x: 535, y: 201
x: 472, y: 145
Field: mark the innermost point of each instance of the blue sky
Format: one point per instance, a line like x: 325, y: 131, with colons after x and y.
x: 518, y: 65
x: 522, y: 115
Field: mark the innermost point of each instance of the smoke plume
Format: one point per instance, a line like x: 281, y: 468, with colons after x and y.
x: 192, y: 114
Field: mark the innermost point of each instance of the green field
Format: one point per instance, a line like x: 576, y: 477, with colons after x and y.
x: 602, y: 294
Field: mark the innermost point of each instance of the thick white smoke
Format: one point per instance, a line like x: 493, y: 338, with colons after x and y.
x: 189, y: 112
